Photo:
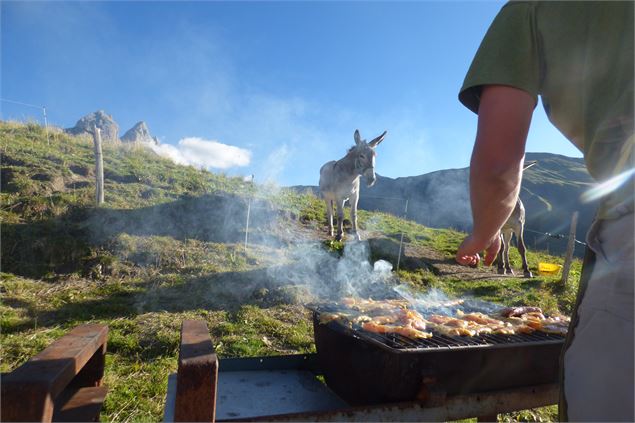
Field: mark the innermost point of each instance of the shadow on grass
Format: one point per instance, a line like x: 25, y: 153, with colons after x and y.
x: 387, y: 248
x: 228, y: 291
x: 60, y: 245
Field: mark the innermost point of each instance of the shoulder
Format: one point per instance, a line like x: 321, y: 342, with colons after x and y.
x: 508, y: 55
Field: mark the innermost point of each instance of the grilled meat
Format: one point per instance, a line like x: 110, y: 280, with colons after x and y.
x: 486, y: 322
x: 519, y: 311
x: 394, y: 316
x: 405, y: 330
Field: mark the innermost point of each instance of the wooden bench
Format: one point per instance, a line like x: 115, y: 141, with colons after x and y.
x: 62, y: 383
x: 191, y: 393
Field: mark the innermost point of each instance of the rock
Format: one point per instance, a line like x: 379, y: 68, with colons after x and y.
x: 139, y: 133
x: 105, y: 122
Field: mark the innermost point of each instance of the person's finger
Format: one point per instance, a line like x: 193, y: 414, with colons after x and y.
x: 466, y: 254
x: 492, y: 251
x: 468, y: 260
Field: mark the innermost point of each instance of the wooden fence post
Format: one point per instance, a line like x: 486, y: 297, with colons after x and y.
x: 568, y: 258
x: 99, y: 166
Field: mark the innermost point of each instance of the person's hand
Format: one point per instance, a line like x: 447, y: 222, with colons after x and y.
x: 468, y: 252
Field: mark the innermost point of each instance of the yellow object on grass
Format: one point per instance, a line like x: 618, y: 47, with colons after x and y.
x: 548, y: 268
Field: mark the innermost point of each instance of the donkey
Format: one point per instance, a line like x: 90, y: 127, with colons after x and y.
x: 339, y: 181
x: 514, y: 225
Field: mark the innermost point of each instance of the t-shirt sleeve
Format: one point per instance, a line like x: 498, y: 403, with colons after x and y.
x: 508, y: 55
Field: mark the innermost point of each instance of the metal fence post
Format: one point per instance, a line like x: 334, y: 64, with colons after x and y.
x: 46, y: 127
x: 99, y: 166
x: 405, y: 213
x: 248, y: 213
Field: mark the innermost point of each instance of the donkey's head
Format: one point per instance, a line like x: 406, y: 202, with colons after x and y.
x: 365, y: 157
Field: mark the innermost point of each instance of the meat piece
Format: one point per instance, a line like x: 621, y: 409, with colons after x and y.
x: 486, y: 324
x: 558, y: 325
x: 555, y: 329
x: 382, y: 320
x: 360, y: 319
x: 480, y: 318
x: 520, y: 325
x: 519, y: 311
x: 413, y: 318
x: 504, y: 330
x: 536, y: 321
x: 447, y: 321
x: 406, y: 331
x: 452, y: 331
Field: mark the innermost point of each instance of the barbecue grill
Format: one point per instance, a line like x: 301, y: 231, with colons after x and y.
x: 368, y: 368
x: 285, y: 388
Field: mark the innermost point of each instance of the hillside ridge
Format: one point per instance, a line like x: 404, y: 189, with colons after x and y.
x: 550, y: 191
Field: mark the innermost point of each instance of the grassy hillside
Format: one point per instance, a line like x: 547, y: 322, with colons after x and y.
x: 550, y: 192
x: 169, y: 244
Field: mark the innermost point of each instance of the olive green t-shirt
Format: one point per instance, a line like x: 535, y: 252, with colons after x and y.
x: 578, y: 56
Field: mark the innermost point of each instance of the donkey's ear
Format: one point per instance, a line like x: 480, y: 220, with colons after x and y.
x: 374, y: 143
x: 358, y: 139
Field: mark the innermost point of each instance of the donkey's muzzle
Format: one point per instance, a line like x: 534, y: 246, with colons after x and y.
x: 370, y: 178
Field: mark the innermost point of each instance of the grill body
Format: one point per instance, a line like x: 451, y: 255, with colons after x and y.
x: 365, y: 368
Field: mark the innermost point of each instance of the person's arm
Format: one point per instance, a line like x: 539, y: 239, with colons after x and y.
x: 504, y: 116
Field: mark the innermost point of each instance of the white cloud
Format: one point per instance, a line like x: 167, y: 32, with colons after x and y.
x: 203, y: 153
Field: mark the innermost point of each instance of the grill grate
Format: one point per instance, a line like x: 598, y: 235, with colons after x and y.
x: 401, y: 342
x: 438, y: 341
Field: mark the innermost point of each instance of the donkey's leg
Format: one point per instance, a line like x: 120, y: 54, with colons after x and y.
x: 499, y: 257
x: 354, y: 216
x: 329, y: 215
x: 340, y: 219
x: 523, y: 253
x: 507, y: 235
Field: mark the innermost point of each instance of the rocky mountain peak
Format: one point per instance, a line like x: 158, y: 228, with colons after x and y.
x: 105, y: 122
x: 139, y: 133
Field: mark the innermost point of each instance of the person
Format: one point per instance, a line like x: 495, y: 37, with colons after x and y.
x: 578, y: 57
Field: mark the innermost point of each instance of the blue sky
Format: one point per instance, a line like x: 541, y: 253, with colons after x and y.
x: 283, y: 85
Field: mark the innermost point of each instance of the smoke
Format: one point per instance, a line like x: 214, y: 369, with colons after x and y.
x: 203, y: 153
x: 447, y: 203
x: 435, y: 301
x: 274, y: 165
x: 327, y: 276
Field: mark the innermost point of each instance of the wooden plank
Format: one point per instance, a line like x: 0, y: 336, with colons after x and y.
x: 25, y: 401
x: 29, y: 391
x: 93, y: 371
x: 80, y: 405
x: 197, y: 375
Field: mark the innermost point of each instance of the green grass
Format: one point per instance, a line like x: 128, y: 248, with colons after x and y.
x: 143, y: 283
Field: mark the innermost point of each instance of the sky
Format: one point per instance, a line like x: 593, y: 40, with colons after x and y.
x: 273, y: 89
